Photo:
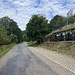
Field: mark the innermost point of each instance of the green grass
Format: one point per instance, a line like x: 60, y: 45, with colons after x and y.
x: 5, y: 48
x: 32, y: 43
x: 63, y: 48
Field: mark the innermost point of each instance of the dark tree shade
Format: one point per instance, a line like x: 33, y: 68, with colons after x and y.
x: 19, y: 35
x: 36, y: 28
x: 11, y: 28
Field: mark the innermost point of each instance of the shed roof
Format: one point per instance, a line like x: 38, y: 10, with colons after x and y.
x: 65, y: 28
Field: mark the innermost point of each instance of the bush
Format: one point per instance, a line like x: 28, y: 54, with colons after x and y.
x: 13, y: 38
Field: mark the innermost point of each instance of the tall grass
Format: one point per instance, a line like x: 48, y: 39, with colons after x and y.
x: 64, y: 48
x: 5, y: 48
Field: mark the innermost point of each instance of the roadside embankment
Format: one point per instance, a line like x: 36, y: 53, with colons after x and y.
x: 61, y: 47
x: 5, y: 48
x: 64, y: 61
x: 62, y: 53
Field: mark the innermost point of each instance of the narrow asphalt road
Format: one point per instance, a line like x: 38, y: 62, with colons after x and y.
x: 21, y: 61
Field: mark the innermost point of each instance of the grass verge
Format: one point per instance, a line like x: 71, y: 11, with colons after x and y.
x: 32, y: 43
x: 5, y: 48
x: 63, y: 48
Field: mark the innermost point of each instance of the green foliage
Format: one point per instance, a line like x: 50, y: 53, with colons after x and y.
x: 36, y: 28
x: 56, y: 22
x: 70, y: 20
x: 13, y: 38
x: 9, y: 24
x: 4, y: 39
x: 19, y: 34
x: 5, y: 48
x: 70, y: 17
x: 60, y: 21
x: 24, y: 35
x: 32, y: 43
x: 11, y: 27
x: 64, y: 48
x: 2, y: 31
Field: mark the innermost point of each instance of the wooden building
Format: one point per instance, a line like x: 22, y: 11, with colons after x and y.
x: 66, y: 33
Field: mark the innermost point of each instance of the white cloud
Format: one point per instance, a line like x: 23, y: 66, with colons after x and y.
x: 22, y: 10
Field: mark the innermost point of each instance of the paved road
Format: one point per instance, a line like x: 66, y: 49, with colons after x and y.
x: 21, y: 61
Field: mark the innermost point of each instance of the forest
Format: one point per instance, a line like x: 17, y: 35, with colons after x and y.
x: 9, y: 31
x: 36, y: 29
x: 38, y: 26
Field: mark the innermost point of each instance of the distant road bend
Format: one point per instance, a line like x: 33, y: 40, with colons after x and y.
x: 20, y: 60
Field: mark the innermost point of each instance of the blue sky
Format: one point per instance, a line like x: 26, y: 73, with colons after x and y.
x: 22, y: 10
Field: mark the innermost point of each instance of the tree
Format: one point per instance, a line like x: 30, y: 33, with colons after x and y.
x: 70, y: 13
x: 12, y: 29
x: 56, y: 23
x: 2, y: 35
x: 13, y: 38
x: 9, y: 24
x: 12, y: 26
x: 4, y: 39
x: 24, y: 35
x: 5, y: 22
x: 70, y: 17
x: 19, y: 35
x: 36, y: 28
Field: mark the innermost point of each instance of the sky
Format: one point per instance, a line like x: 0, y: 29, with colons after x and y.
x: 22, y: 10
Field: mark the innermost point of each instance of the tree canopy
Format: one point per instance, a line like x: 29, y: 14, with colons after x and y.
x: 36, y: 28
x: 19, y: 35
x: 11, y: 30
x: 4, y: 39
x: 70, y: 17
x: 57, y: 22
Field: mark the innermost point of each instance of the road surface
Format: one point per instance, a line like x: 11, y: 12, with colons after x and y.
x: 22, y: 61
